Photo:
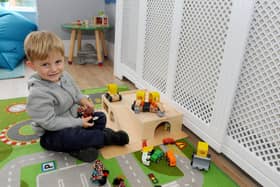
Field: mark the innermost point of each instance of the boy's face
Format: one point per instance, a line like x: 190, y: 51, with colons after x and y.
x: 49, y: 69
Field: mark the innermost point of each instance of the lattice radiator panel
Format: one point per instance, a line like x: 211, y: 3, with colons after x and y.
x: 255, y: 117
x: 129, y: 33
x: 157, y: 42
x: 201, y: 46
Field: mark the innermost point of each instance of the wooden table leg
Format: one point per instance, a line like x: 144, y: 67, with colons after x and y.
x: 104, y: 46
x: 79, y: 39
x: 72, y: 46
x: 98, y: 48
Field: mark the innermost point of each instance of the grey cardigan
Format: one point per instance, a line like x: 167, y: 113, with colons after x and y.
x: 53, y: 106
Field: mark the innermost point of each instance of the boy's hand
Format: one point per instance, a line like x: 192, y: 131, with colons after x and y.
x: 86, y: 123
x: 87, y: 103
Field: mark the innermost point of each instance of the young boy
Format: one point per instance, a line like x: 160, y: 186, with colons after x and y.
x: 54, y: 99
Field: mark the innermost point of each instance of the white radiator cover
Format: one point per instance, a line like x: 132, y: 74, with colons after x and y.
x: 216, y: 61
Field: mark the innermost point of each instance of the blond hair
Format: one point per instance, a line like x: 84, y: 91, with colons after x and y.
x: 38, y: 45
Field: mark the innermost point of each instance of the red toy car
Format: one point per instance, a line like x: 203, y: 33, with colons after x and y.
x: 168, y: 141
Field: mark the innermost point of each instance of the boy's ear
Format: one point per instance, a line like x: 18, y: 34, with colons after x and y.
x: 30, y: 64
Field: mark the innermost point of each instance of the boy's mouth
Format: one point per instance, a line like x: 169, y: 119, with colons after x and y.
x: 53, y: 75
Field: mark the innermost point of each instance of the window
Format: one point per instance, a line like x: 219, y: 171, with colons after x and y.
x: 19, y: 5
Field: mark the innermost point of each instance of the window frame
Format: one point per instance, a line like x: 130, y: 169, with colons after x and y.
x: 11, y: 5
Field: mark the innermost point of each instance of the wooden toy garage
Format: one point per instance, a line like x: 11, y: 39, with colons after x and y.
x: 141, y: 126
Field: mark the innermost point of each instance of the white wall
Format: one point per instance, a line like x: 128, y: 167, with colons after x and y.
x: 52, y: 13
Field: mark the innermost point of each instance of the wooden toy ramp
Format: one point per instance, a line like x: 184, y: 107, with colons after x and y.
x: 142, y: 126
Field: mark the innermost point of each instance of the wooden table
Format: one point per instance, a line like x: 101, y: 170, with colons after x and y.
x: 101, y: 48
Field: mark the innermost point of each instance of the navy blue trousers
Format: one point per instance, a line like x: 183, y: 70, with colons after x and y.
x: 74, y: 139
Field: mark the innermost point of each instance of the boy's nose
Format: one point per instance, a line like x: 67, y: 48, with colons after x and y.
x: 53, y: 68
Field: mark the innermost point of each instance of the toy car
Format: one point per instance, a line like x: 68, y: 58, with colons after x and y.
x: 86, y: 112
x: 157, y: 155
x: 112, y: 95
x: 153, y: 178
x: 170, y: 157
x: 168, y: 141
x: 118, y: 182
x: 113, y: 98
x: 146, y: 155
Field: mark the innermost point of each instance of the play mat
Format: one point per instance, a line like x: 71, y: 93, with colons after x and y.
x: 24, y: 163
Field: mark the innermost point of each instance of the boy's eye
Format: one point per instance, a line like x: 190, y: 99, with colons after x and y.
x: 58, y: 61
x: 44, y: 65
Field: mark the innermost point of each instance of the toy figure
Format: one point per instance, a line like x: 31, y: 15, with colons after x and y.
x: 99, y: 174
x: 148, y: 102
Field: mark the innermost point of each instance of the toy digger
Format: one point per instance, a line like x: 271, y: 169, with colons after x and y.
x: 201, y: 160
